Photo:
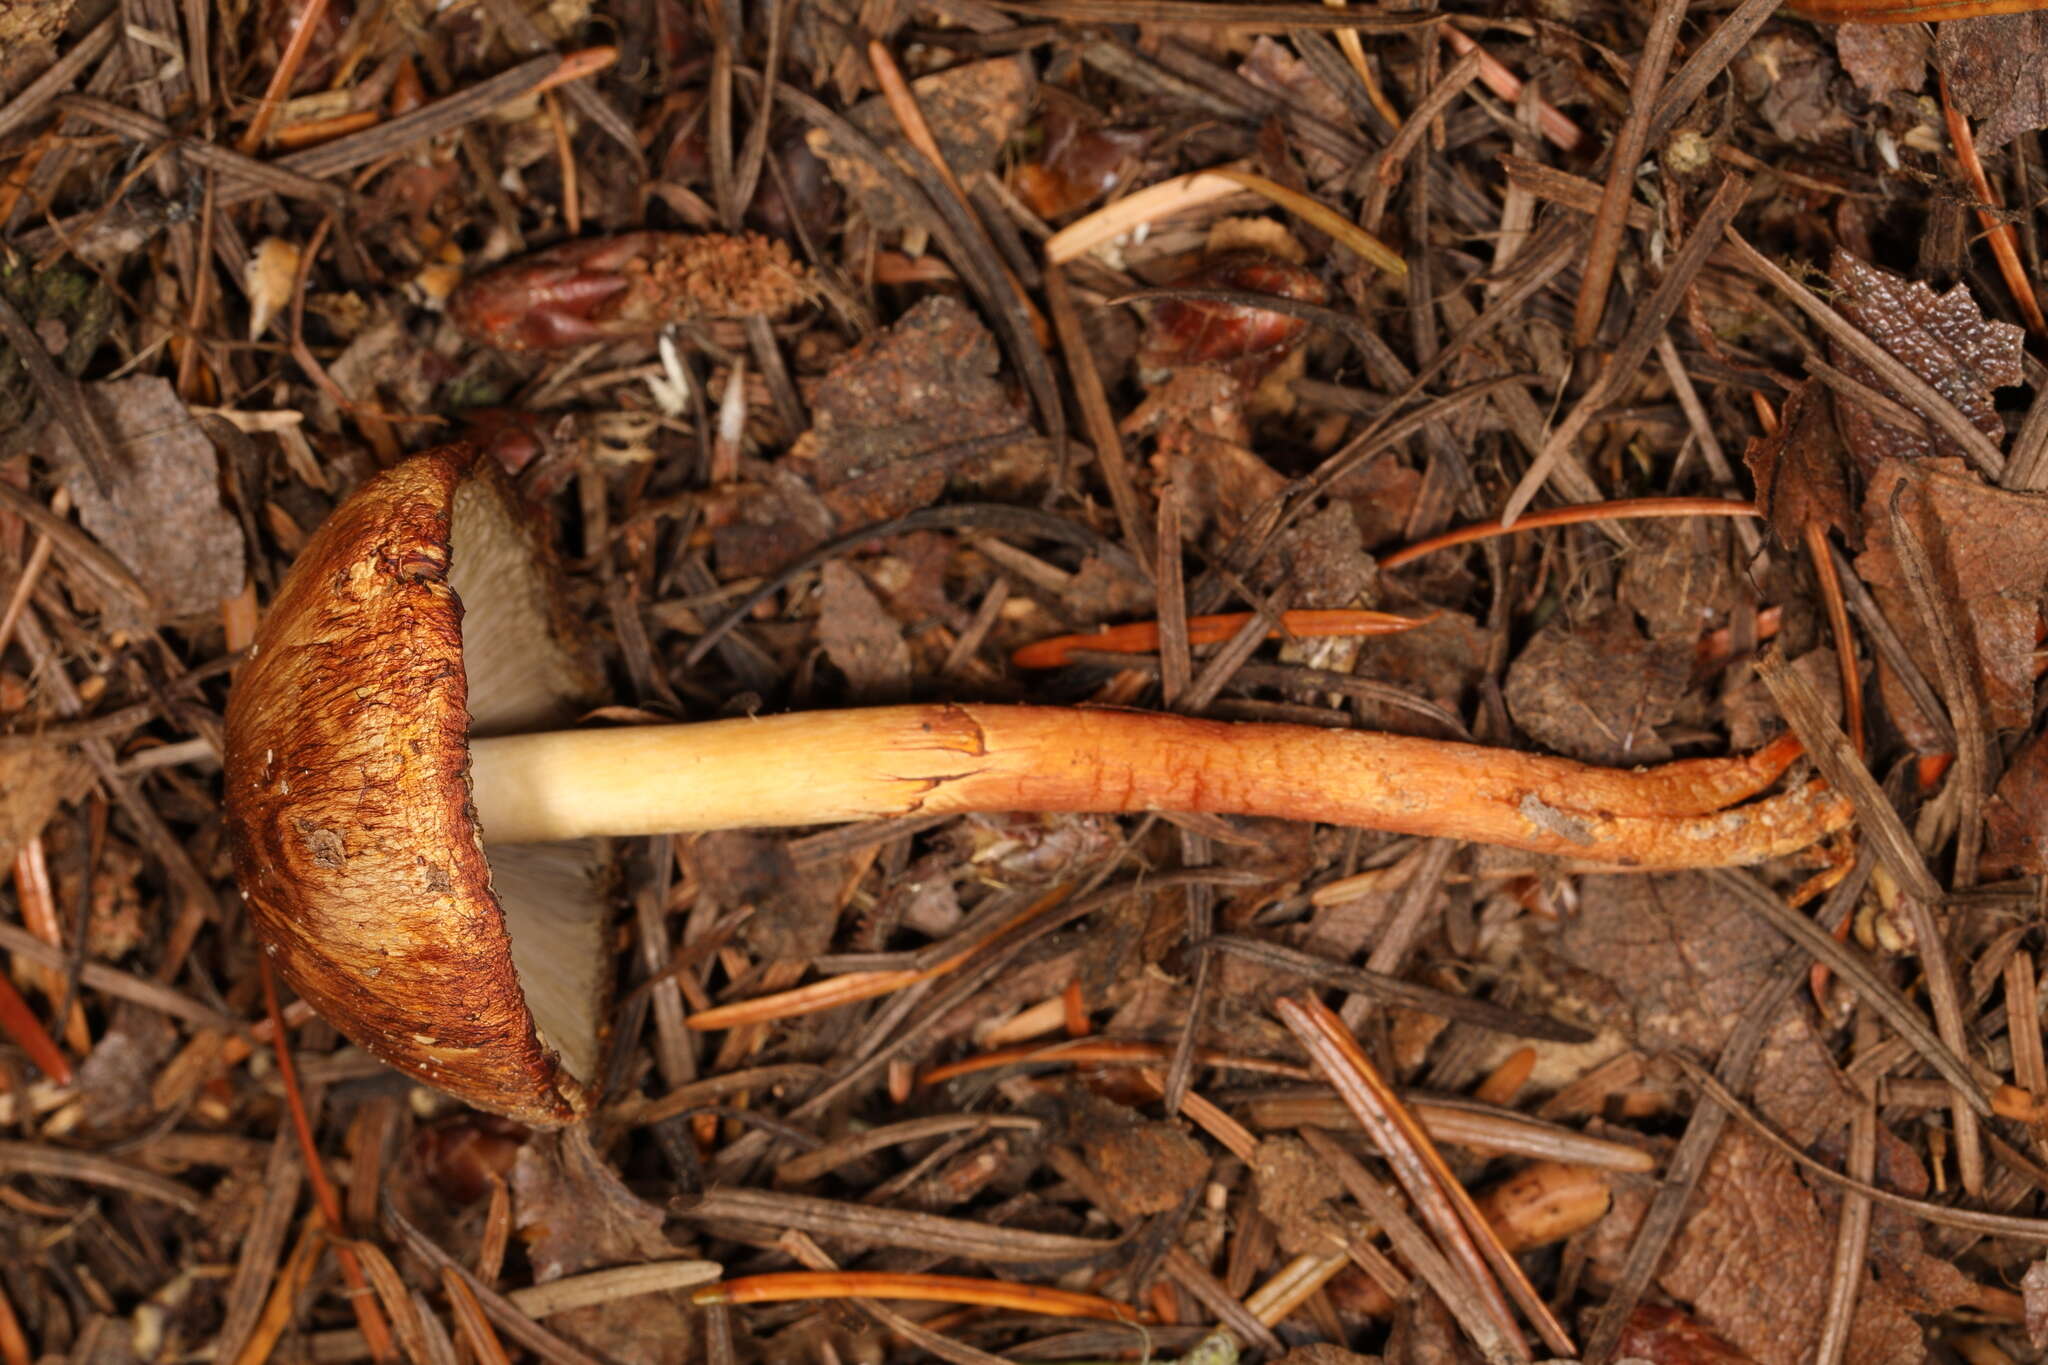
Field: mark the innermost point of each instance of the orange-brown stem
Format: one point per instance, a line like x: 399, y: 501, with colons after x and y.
x: 823, y: 767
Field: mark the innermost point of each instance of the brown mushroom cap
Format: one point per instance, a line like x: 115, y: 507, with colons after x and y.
x: 348, y: 803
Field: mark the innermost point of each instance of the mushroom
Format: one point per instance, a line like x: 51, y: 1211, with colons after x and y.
x: 406, y: 701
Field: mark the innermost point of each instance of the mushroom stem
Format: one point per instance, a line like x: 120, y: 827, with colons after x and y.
x: 831, y: 766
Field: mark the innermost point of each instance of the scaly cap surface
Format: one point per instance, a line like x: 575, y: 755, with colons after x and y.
x: 348, y: 799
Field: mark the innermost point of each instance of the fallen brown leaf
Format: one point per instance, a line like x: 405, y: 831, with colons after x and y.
x: 574, y: 1214
x: 860, y: 637
x: 33, y: 783
x: 2016, y: 816
x: 1997, y: 69
x: 1597, y: 689
x: 910, y: 410
x: 1883, y: 59
x: 162, y: 516
x: 1670, y: 961
x: 973, y: 110
x: 1149, y: 1165
x: 1944, y: 338
x: 1753, y: 1260
x: 1990, y: 548
x: 1801, y: 469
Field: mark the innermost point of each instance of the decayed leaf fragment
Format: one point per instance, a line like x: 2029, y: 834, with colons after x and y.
x: 1150, y: 1165
x: 1789, y: 79
x: 1800, y: 469
x: 1990, y: 548
x: 576, y: 1215
x: 1305, y: 97
x: 1668, y: 962
x: 2016, y: 821
x: 860, y: 637
x: 1943, y: 338
x: 33, y: 783
x: 1883, y: 59
x: 1997, y: 69
x: 911, y: 408
x: 1597, y: 689
x: 972, y: 111
x: 162, y: 515
x: 1301, y: 1197
x: 32, y: 21
x: 2034, y: 1288
x: 1754, y: 1254
x: 1664, y: 1336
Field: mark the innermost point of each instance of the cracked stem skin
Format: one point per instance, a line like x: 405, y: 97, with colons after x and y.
x: 823, y: 767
